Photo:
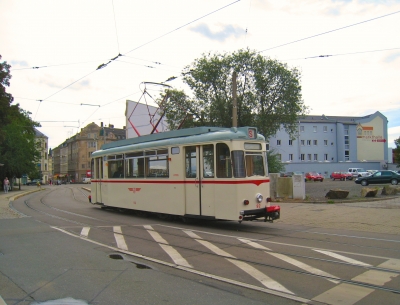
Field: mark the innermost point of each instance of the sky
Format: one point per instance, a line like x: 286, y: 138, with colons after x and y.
x: 56, y: 47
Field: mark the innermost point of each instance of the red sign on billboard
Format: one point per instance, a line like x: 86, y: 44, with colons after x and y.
x: 88, y: 174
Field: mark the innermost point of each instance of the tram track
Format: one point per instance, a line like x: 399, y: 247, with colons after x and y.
x: 224, y: 245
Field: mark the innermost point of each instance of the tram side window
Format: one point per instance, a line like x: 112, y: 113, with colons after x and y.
x: 157, y: 165
x: 239, y: 170
x: 254, y: 165
x: 134, y: 168
x: 115, y: 169
x: 190, y: 162
x: 224, y: 167
x: 208, y: 161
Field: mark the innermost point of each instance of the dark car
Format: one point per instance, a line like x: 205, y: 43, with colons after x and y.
x: 34, y: 182
x: 379, y: 177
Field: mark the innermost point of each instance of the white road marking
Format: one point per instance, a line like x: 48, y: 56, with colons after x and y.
x: 292, y: 261
x: 347, y: 294
x: 393, y: 264
x: 253, y: 244
x: 85, y: 231
x: 343, y: 294
x: 119, y: 238
x: 261, y: 277
x: 173, y: 254
x: 193, y: 271
x: 343, y: 258
x: 306, y: 267
x: 375, y: 277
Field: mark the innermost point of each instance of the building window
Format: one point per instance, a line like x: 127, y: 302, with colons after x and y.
x: 290, y: 142
x: 301, y: 128
x: 325, y: 128
x: 278, y: 142
x: 326, y: 142
x: 302, y: 142
x: 279, y: 157
x: 308, y: 142
x: 325, y: 157
x: 308, y: 157
x: 302, y: 157
x: 83, y: 166
x: 290, y: 157
x: 346, y: 155
x: 314, y: 128
x: 315, y: 142
x: 315, y: 157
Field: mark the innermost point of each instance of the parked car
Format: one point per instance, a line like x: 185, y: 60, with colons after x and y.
x: 314, y: 176
x: 34, y: 182
x: 341, y: 176
x: 87, y: 180
x: 358, y: 172
x: 380, y: 177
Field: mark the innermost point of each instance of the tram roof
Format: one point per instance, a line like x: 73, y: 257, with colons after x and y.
x: 219, y: 133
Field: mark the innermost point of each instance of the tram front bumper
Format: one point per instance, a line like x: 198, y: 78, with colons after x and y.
x: 268, y: 214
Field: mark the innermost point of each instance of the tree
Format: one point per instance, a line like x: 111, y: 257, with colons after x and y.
x: 268, y: 93
x: 18, y: 148
x: 274, y: 163
x: 397, y: 152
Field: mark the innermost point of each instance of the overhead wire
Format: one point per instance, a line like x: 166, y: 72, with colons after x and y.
x: 342, y: 54
x: 327, y: 32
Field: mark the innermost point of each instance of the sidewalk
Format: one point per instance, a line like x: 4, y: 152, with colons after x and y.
x: 5, y: 211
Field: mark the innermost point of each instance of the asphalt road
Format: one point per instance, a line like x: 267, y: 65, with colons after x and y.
x: 69, y: 248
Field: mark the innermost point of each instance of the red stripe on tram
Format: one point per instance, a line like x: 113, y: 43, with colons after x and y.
x: 148, y: 181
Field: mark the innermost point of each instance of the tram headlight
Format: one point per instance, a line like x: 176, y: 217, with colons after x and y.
x: 259, y: 198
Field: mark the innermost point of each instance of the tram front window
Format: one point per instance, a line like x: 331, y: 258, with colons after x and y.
x: 254, y: 165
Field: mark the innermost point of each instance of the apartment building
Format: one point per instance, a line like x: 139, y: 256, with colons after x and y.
x: 71, y: 159
x: 330, y: 143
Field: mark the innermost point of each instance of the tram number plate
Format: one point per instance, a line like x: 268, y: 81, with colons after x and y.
x: 258, y: 205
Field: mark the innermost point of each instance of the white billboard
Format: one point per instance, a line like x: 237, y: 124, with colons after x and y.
x: 141, y: 120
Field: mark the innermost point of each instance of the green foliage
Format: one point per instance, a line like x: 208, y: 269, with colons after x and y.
x: 268, y: 93
x: 274, y: 163
x: 397, y: 152
x: 18, y: 149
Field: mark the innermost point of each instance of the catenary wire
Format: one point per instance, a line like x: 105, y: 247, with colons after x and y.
x: 327, y: 32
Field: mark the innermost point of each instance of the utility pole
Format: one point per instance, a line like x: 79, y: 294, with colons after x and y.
x: 234, y: 106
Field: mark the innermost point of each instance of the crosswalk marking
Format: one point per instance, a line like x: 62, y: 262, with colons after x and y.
x: 175, y: 256
x: 342, y: 258
x: 305, y: 267
x: 253, y: 244
x: 292, y: 261
x: 261, y: 277
x: 119, y: 238
x: 375, y: 277
x: 85, y: 231
x: 343, y: 294
x: 392, y: 263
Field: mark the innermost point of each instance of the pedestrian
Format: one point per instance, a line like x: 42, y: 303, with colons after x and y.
x: 6, y: 185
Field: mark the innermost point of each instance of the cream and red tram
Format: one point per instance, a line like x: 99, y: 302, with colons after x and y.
x: 207, y: 172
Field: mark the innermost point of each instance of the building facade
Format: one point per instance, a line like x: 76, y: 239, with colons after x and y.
x: 43, y: 165
x: 71, y: 159
x: 325, y: 144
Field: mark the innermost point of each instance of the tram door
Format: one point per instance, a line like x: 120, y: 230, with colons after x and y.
x: 199, y: 194
x: 99, y: 177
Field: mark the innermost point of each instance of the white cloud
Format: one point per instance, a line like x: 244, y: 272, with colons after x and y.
x: 73, y: 38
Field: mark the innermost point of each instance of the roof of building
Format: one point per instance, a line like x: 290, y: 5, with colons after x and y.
x: 39, y: 134
x: 337, y: 119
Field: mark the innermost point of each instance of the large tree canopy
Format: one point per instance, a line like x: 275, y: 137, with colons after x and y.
x: 268, y: 93
x: 18, y: 149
